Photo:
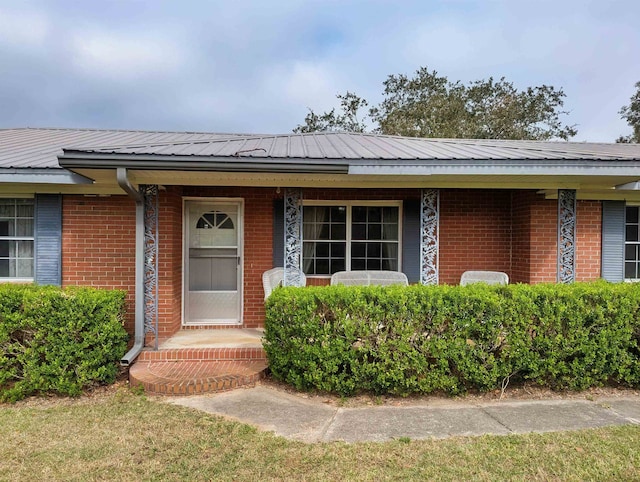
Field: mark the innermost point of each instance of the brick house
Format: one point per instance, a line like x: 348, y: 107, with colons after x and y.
x: 188, y: 222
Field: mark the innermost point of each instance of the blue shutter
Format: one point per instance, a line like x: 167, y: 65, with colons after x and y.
x: 48, y: 239
x: 613, y: 213
x: 278, y: 233
x: 411, y: 240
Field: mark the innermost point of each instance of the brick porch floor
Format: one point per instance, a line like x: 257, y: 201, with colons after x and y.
x: 201, y: 361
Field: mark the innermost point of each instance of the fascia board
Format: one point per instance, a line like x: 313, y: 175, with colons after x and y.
x: 42, y: 176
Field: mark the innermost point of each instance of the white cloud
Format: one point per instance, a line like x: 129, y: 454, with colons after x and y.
x: 23, y: 29
x: 125, y: 56
x: 305, y: 83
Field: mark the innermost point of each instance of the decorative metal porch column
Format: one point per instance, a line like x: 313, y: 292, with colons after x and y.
x: 150, y: 193
x: 566, y: 236
x: 429, y: 224
x: 292, y: 236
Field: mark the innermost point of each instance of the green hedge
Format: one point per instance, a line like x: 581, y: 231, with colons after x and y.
x: 58, y: 340
x: 421, y: 339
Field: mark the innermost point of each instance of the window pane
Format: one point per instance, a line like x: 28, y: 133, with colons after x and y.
x: 359, y: 231
x: 24, y: 227
x: 630, y: 270
x: 4, y: 268
x: 339, y: 214
x: 630, y: 252
x: 24, y: 268
x: 338, y: 231
x: 632, y: 233
x: 390, y: 250
x: 337, y: 265
x: 390, y: 232
x: 359, y: 214
x: 7, y: 208
x: 390, y: 264
x: 24, y: 208
x: 4, y: 248
x: 5, y: 226
x: 338, y: 250
x: 373, y: 264
x: 322, y: 250
x: 390, y: 215
x: 357, y: 264
x: 25, y: 249
x: 632, y: 214
x: 322, y: 266
x: 323, y: 231
x: 374, y: 215
x: 375, y: 231
x: 374, y: 250
x: 358, y: 250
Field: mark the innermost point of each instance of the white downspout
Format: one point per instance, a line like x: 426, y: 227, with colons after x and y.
x: 123, y: 182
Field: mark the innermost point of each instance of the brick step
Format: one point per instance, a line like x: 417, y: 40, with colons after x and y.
x: 190, y: 377
x: 204, y: 354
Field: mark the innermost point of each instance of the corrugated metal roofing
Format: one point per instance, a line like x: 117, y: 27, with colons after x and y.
x: 351, y: 146
x: 40, y: 148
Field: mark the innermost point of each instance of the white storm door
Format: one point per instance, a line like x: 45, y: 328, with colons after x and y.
x: 213, y: 262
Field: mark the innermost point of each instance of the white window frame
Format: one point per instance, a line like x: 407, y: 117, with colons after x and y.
x: 349, y: 205
x: 626, y: 243
x: 15, y: 279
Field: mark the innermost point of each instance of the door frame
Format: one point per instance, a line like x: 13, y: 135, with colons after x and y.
x: 185, y: 255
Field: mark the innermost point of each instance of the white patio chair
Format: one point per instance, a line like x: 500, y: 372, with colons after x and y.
x: 489, y: 277
x: 369, y: 277
x: 274, y: 277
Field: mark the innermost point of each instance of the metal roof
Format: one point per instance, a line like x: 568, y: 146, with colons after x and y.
x: 39, y: 148
x: 352, y: 146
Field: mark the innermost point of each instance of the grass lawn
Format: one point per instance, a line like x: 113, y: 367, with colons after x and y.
x: 122, y: 436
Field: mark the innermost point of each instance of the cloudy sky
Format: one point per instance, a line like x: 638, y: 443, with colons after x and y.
x: 255, y: 66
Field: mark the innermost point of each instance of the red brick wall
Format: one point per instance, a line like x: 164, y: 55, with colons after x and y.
x: 535, y: 235
x: 475, y: 232
x: 543, y: 253
x: 520, y: 235
x: 498, y: 230
x: 98, y: 245
x: 170, y: 262
x: 588, y: 240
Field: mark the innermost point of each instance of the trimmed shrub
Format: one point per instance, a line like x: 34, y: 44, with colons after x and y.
x: 58, y: 340
x: 422, y: 339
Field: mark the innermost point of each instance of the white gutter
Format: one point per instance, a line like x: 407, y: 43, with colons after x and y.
x: 123, y: 182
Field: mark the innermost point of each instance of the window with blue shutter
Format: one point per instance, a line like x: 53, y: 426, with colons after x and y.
x: 48, y: 239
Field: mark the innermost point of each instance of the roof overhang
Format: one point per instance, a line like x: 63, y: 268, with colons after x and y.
x: 42, y: 176
x: 79, y: 159
x: 593, y: 179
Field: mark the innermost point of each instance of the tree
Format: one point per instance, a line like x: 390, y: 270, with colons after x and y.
x: 429, y: 105
x: 350, y: 105
x: 631, y: 113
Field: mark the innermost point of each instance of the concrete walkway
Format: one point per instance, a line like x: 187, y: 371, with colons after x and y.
x: 309, y: 420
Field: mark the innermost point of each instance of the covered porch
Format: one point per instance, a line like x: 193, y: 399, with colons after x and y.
x: 440, y: 207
